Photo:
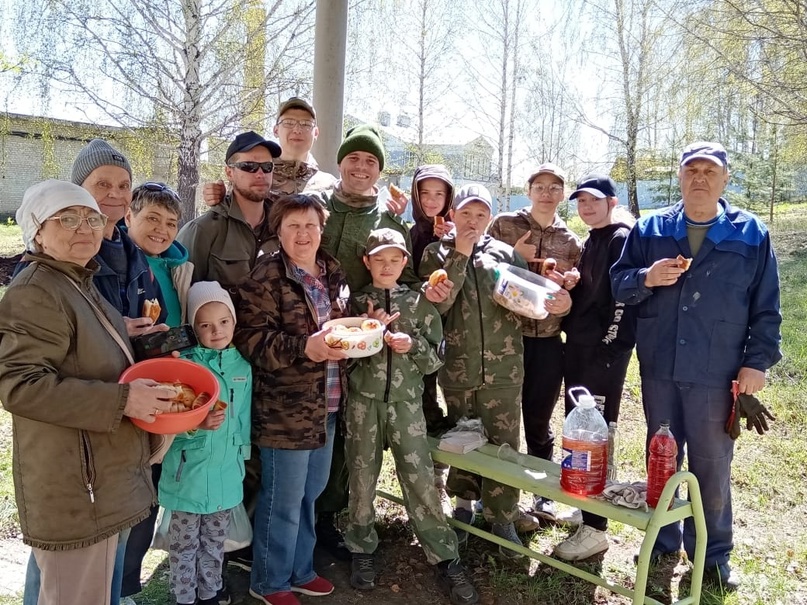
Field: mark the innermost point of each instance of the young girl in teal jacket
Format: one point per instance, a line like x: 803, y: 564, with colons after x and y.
x: 204, y: 469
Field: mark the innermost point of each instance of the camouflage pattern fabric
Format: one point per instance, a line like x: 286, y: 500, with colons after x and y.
x: 556, y: 241
x: 274, y: 321
x: 499, y: 408
x: 291, y: 176
x: 484, y: 345
x: 351, y: 219
x: 388, y: 376
x: 368, y: 424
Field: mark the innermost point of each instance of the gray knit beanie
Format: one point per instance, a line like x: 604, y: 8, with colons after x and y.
x: 97, y: 153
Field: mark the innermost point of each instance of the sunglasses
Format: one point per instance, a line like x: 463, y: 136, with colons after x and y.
x: 72, y: 222
x: 160, y: 188
x: 253, y: 167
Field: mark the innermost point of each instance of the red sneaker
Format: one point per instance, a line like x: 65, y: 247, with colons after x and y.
x: 285, y: 597
x: 318, y: 587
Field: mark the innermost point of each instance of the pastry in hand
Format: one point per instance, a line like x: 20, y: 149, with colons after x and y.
x: 683, y: 262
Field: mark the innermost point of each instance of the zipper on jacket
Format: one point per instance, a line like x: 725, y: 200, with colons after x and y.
x: 87, y: 465
x: 182, y: 460
x: 479, y: 305
x: 230, y: 404
x: 389, y: 351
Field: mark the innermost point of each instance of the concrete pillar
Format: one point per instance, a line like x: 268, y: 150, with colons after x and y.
x: 330, y: 42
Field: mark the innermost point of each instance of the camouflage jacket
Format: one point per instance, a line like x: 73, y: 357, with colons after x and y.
x: 351, y: 219
x: 389, y: 376
x: 483, y: 339
x: 291, y: 176
x: 274, y: 320
x: 556, y: 241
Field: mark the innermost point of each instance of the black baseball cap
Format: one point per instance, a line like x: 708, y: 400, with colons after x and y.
x: 249, y: 140
x: 598, y: 185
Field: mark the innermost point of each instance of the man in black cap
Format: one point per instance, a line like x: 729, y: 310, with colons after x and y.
x: 224, y: 242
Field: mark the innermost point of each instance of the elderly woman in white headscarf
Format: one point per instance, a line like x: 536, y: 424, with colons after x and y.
x: 81, y: 473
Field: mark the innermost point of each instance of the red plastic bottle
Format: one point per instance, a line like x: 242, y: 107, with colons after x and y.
x: 661, y: 465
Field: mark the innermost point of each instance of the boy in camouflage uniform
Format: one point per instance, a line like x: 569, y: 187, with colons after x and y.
x: 384, y: 405
x: 483, y: 367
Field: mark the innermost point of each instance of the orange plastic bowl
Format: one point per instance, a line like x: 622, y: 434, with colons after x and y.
x: 170, y: 369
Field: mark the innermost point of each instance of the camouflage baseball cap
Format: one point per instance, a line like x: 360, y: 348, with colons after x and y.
x: 381, y: 239
x: 296, y: 103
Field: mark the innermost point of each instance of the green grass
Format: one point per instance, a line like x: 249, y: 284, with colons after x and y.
x: 10, y: 239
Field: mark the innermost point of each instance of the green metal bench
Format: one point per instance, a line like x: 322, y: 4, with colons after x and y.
x: 542, y: 477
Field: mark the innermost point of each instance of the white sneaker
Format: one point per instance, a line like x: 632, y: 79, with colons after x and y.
x: 582, y: 544
x: 572, y: 518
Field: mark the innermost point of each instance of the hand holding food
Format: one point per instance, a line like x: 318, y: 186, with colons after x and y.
x: 152, y: 309
x: 550, y: 264
x: 397, y: 202
x: 663, y: 272
x: 317, y: 348
x: 213, y: 420
x: 683, y: 262
x: 442, y: 226
x: 147, y: 398
x: 439, y: 293
x: 437, y: 277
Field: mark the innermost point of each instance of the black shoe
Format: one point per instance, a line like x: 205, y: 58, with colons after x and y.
x: 721, y: 576
x: 241, y: 559
x: 222, y: 598
x: 362, y: 571
x: 330, y: 538
x: 453, y: 578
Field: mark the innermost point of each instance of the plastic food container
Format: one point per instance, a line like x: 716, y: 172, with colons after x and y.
x: 170, y: 369
x: 354, y: 340
x: 522, y: 291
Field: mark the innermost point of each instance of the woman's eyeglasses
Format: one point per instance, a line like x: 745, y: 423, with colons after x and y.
x: 253, y: 167
x: 71, y: 221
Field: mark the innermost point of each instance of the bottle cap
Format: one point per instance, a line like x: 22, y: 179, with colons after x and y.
x: 586, y: 402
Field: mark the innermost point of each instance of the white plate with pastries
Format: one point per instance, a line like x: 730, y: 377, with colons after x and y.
x: 356, y: 336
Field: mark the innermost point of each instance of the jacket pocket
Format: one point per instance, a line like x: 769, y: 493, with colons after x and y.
x: 88, y: 472
x: 726, y: 347
x: 646, y: 340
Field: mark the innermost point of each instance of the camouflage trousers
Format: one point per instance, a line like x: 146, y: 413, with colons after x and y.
x: 369, y: 423
x: 499, y: 408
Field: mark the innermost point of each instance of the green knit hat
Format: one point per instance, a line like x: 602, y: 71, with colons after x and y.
x: 362, y: 138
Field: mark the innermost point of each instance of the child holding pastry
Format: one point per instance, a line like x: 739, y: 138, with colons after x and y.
x: 204, y: 469
x: 383, y: 407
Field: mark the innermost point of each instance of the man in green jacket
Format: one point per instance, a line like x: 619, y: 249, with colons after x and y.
x: 224, y: 242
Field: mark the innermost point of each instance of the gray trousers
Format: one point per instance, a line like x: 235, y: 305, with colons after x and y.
x: 196, y: 554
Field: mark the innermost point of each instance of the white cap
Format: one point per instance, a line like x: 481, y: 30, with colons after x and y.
x: 203, y: 292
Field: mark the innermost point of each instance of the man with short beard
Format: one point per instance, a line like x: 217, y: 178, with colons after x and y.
x: 224, y: 242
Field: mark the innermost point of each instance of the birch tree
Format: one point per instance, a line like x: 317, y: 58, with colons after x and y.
x: 190, y: 68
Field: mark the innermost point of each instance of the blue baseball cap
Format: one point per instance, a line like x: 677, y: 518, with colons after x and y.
x: 598, y: 185
x: 705, y: 150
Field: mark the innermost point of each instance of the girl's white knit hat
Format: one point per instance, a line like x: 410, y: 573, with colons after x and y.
x: 203, y: 292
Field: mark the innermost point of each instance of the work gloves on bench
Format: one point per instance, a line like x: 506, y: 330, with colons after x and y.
x: 755, y: 413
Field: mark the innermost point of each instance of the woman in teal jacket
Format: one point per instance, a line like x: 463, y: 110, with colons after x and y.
x: 203, y: 471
